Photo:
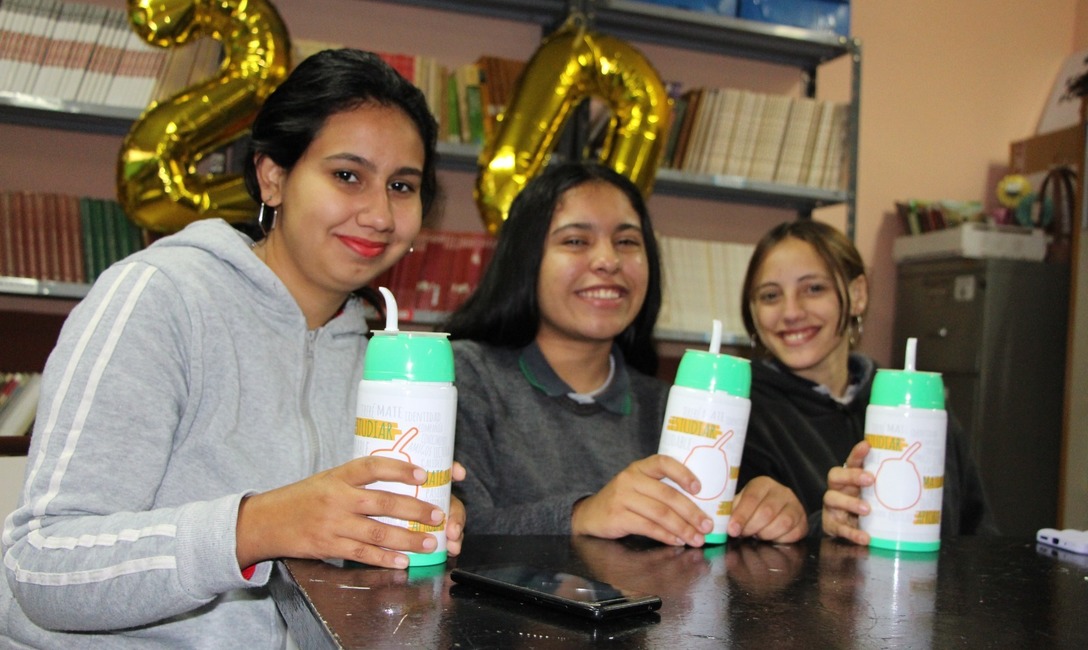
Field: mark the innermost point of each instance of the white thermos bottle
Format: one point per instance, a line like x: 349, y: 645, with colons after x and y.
x: 906, y: 426
x: 706, y: 419
x: 407, y: 409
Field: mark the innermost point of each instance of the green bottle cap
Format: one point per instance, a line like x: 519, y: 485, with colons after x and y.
x: 715, y: 372
x: 922, y: 390
x: 411, y: 356
x: 908, y: 387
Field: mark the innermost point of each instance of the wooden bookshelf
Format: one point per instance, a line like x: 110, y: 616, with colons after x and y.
x: 52, y: 113
x: 32, y: 324
x: 14, y: 445
x: 31, y: 311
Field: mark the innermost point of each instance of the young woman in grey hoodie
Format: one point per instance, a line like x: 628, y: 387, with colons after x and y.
x: 197, y: 413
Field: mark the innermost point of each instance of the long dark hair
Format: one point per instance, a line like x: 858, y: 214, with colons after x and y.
x: 324, y: 84
x: 327, y: 83
x: 504, y: 310
x: 842, y: 258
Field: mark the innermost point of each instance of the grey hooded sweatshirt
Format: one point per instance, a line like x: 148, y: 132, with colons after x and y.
x: 185, y: 380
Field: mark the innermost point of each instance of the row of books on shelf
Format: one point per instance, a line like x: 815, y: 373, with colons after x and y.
x: 89, y: 53
x: 917, y: 217
x: 773, y: 138
x: 63, y: 238
x: 466, y: 99
x: 70, y: 239
x: 19, y: 393
x: 762, y: 137
x: 702, y: 282
x: 442, y: 270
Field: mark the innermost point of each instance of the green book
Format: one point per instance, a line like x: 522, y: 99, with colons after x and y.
x: 679, y: 107
x: 453, y: 109
x: 135, y: 233
x: 475, y: 104
x: 123, y: 231
x: 98, y: 237
x: 109, y: 234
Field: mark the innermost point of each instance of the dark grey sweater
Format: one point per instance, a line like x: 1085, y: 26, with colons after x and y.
x: 530, y: 450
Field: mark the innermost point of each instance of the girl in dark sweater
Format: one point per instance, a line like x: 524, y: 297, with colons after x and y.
x: 805, y: 292
x: 558, y: 413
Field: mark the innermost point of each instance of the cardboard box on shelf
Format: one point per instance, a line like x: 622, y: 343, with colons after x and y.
x: 974, y: 240
x: 1035, y: 157
x: 1039, y: 153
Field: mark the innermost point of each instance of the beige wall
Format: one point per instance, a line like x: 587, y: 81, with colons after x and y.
x: 946, y: 86
x: 1080, y: 26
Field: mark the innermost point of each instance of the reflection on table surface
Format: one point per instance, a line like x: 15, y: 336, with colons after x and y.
x: 975, y: 592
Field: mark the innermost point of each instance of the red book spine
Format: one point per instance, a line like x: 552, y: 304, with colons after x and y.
x: 56, y: 246
x: 7, y: 237
x: 474, y: 250
x: 18, y: 235
x: 403, y: 63
x: 68, y: 233
x: 456, y: 287
x: 31, y: 264
x: 46, y: 237
x: 433, y: 274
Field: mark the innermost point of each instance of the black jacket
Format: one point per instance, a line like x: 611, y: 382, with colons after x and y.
x: 796, y: 434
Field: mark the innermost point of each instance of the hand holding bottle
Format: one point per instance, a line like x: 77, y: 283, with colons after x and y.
x: 842, y: 501
x: 706, y: 421
x: 406, y: 410
x: 330, y: 515
x: 637, y: 502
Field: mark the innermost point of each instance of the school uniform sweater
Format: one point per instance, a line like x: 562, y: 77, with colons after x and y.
x: 796, y: 433
x: 185, y: 380
x: 530, y: 450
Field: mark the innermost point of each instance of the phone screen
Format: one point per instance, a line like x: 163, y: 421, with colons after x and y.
x: 558, y: 589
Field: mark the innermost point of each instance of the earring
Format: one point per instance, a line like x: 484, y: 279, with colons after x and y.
x: 753, y: 340
x: 856, y: 329
x: 263, y: 216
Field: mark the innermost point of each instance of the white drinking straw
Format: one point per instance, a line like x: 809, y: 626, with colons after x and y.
x: 912, y: 351
x: 716, y: 337
x: 390, y: 309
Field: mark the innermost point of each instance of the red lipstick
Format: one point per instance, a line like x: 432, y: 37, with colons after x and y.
x: 363, y: 247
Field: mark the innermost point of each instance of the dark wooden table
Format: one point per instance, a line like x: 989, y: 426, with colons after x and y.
x: 974, y: 593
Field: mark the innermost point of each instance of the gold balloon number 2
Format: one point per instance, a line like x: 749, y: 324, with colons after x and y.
x: 158, y: 182
x: 571, y: 65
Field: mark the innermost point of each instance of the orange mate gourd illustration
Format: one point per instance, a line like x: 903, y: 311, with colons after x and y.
x: 397, y: 450
x: 711, y: 465
x: 898, y: 482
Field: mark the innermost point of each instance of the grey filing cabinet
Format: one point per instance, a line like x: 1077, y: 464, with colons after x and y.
x: 996, y: 330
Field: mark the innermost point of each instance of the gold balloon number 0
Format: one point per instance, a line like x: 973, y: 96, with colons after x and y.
x: 571, y: 65
x: 157, y: 178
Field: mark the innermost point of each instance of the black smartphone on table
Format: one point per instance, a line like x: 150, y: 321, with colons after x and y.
x: 575, y: 594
